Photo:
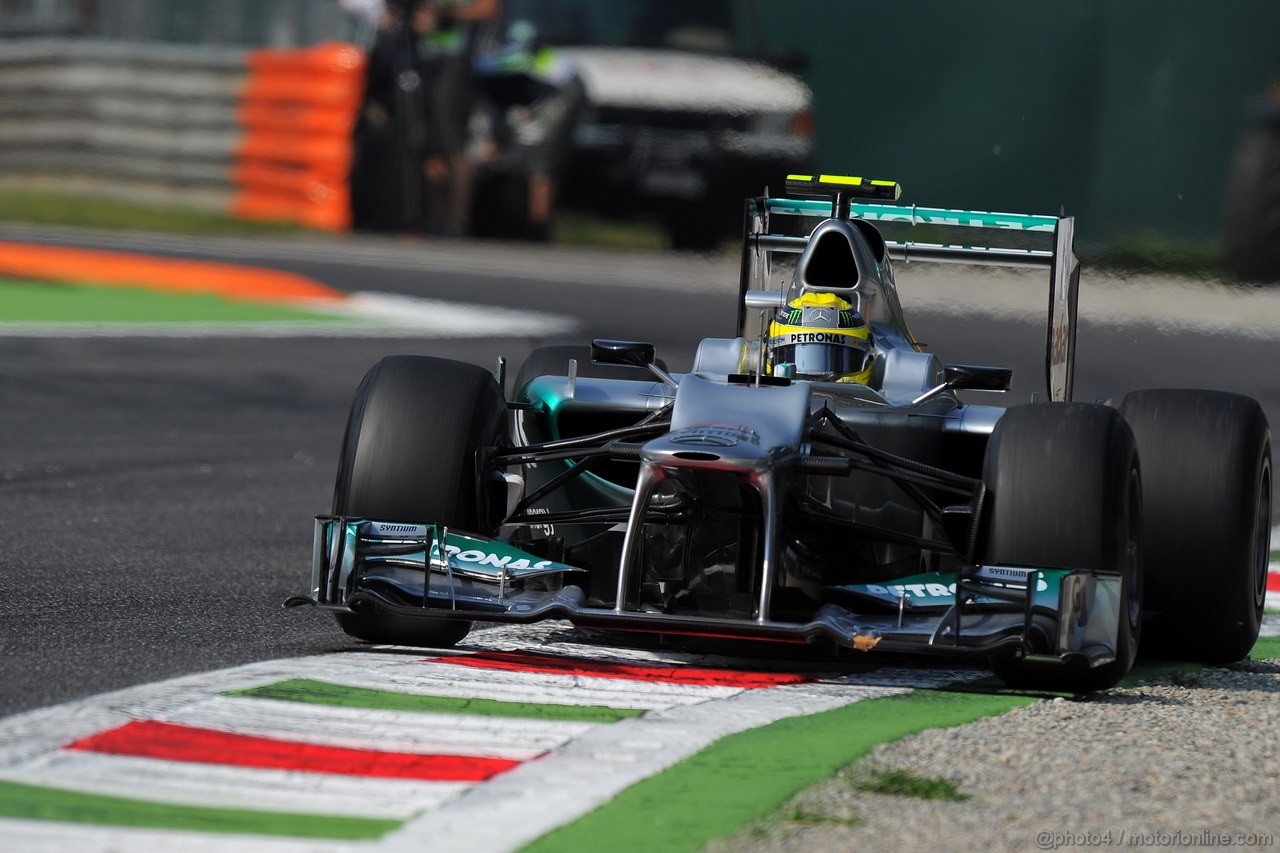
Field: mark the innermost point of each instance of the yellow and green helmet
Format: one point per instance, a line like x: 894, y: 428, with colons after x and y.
x: 823, y: 338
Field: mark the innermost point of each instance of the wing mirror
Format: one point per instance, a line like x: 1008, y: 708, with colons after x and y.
x: 974, y: 377
x: 628, y: 353
x: 969, y: 377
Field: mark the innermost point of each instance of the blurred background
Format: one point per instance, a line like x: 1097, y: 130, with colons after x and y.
x: 165, y: 449
x: 1150, y: 120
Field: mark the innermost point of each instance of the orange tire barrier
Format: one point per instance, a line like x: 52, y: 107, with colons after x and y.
x: 121, y: 269
x: 297, y: 110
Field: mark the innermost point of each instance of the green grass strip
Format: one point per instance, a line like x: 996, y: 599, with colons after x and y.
x: 44, y: 207
x: 744, y: 777
x: 1267, y: 648
x: 32, y: 802
x: 324, y: 693
x: 901, y: 783
x: 41, y: 301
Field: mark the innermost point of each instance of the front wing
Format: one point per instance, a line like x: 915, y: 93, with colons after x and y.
x: 1050, y: 615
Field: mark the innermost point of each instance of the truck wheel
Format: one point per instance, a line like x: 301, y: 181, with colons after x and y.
x: 1207, y: 475
x: 410, y: 455
x: 1064, y: 491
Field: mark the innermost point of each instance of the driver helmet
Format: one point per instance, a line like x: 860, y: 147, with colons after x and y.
x: 823, y: 338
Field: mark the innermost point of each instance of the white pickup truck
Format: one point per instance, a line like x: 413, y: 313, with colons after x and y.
x: 684, y: 115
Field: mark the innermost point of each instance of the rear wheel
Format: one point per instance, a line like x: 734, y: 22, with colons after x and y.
x: 410, y: 455
x: 1206, y: 467
x: 1064, y: 492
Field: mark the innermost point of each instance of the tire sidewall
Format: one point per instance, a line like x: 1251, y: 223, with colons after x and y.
x: 411, y: 444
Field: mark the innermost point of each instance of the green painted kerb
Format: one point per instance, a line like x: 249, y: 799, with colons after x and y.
x: 30, y: 802
x: 46, y: 302
x: 743, y: 778
x: 324, y: 693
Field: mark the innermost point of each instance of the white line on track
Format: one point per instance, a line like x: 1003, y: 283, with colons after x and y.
x: 206, y: 785
x: 24, y: 836
x: 388, y: 731
x: 464, y: 682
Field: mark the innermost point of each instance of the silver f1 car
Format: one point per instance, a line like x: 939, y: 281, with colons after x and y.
x: 816, y: 479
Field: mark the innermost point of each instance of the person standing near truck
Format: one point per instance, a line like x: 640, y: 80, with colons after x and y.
x: 392, y: 134
x: 410, y: 170
x: 451, y: 50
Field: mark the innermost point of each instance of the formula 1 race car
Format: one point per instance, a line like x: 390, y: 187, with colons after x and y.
x: 818, y: 481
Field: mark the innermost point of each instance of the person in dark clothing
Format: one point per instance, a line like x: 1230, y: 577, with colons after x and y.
x: 410, y: 168
x: 451, y: 48
x: 393, y: 137
x: 407, y: 132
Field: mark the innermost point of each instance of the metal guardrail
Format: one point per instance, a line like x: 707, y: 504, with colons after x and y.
x: 262, y: 134
x: 152, y: 123
x: 42, y: 17
x: 137, y: 100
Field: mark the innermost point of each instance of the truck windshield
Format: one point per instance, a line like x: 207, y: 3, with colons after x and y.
x: 710, y: 26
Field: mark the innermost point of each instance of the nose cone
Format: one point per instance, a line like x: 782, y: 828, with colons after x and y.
x: 719, y: 448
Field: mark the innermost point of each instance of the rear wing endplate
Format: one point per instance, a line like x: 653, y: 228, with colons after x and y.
x: 1060, y: 261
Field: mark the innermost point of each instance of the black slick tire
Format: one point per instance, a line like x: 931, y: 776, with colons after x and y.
x: 410, y: 455
x: 1207, y: 475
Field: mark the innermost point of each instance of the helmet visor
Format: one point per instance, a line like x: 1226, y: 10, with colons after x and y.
x: 825, y: 360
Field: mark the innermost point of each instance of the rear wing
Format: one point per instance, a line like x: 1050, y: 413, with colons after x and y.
x: 762, y: 234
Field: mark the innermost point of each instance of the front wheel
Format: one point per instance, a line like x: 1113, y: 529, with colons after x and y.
x: 1064, y: 491
x: 410, y: 455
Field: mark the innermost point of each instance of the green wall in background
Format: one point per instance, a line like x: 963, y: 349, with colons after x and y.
x: 1126, y: 113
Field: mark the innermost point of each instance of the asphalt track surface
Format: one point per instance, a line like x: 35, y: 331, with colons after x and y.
x: 156, y: 494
